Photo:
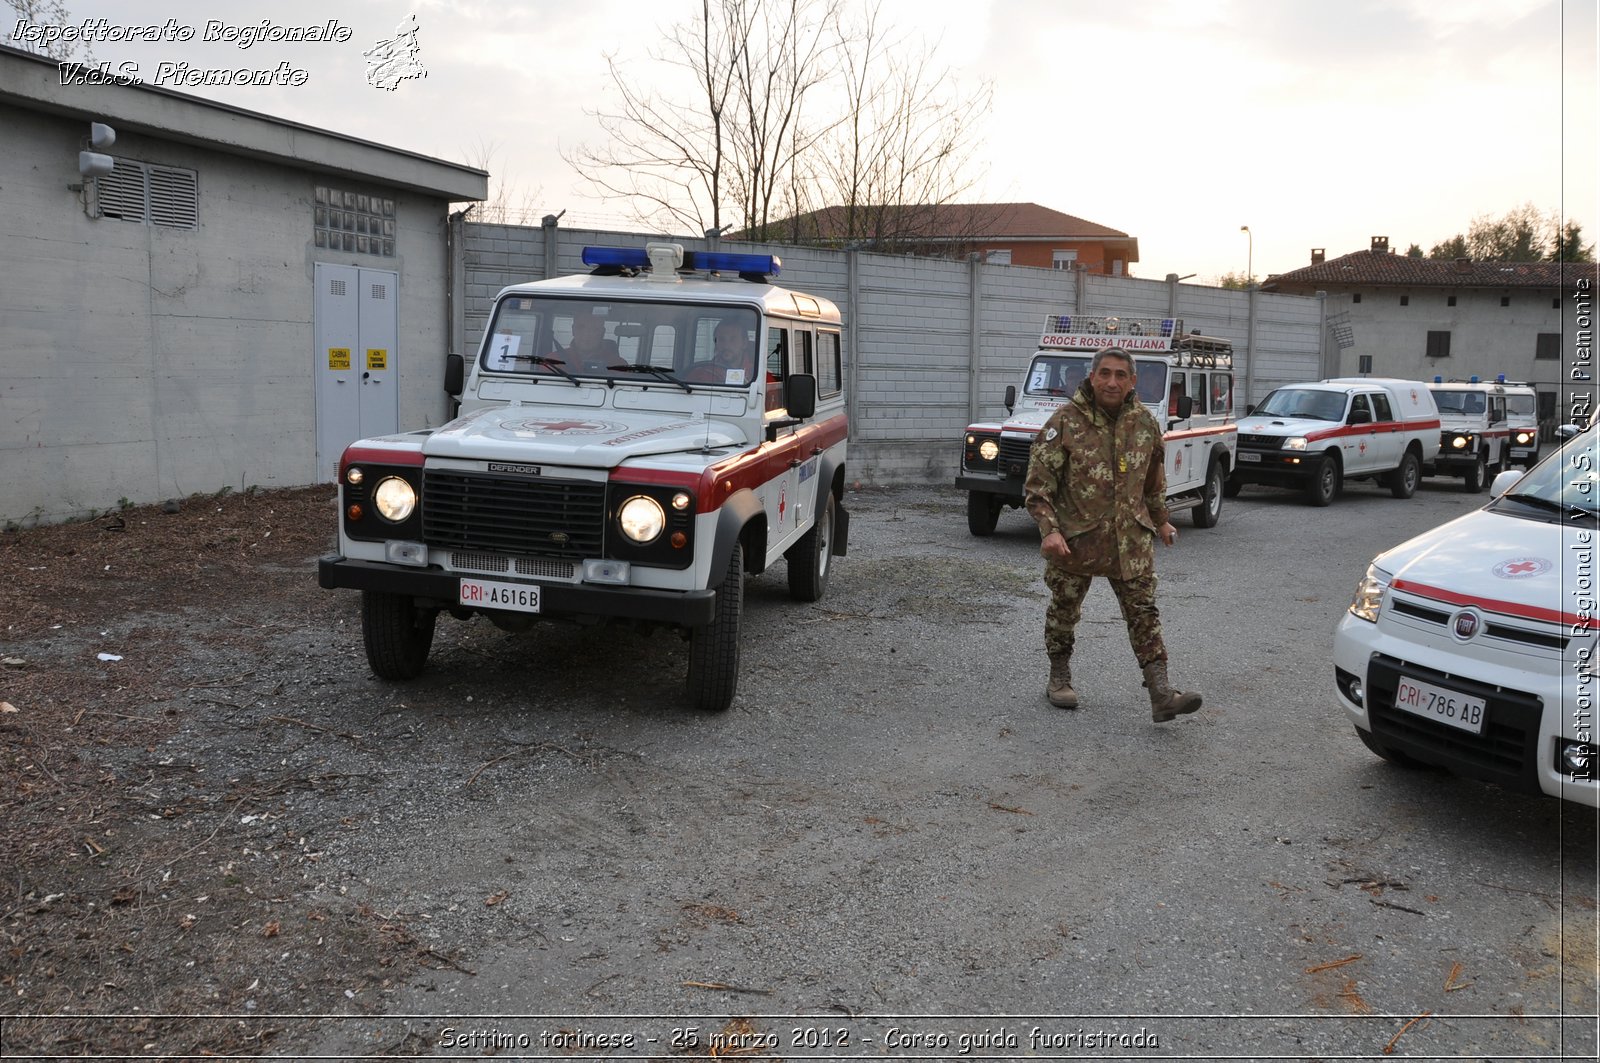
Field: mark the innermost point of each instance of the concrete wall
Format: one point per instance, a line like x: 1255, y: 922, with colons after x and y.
x: 931, y: 343
x: 142, y: 362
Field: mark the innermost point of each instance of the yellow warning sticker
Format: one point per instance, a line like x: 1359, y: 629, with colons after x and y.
x: 338, y: 358
x: 377, y: 358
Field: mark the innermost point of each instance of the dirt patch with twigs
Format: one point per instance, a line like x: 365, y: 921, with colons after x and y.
x: 154, y: 863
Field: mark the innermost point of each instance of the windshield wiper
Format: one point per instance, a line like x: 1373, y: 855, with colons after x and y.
x: 1539, y: 502
x: 654, y: 370
x: 553, y: 363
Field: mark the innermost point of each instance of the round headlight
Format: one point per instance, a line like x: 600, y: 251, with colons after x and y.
x: 641, y: 519
x: 1459, y: 442
x: 395, y: 499
x: 681, y: 500
x: 988, y: 450
x: 354, y: 475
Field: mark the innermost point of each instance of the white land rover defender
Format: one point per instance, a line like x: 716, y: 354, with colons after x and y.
x: 1475, y: 437
x: 1186, y: 381
x: 631, y: 443
x: 1315, y: 436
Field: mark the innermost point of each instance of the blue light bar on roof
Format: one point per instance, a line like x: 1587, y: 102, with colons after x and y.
x: 633, y: 257
x: 731, y: 262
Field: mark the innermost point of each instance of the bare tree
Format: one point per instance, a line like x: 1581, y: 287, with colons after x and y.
x: 500, y: 207
x: 793, y: 109
x: 51, y: 13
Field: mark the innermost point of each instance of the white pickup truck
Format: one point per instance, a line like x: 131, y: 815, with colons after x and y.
x: 1313, y: 437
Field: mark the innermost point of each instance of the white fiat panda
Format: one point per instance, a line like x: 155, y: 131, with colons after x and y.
x: 1473, y: 646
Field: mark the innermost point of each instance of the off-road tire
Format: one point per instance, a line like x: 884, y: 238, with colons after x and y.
x: 1209, y: 511
x: 1477, y: 477
x: 811, y: 558
x: 983, y: 513
x: 1404, y: 479
x: 1323, y: 487
x: 396, y: 633
x: 714, y: 649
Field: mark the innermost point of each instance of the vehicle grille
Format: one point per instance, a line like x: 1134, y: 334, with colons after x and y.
x: 1505, y: 753
x: 1259, y: 442
x: 519, y: 517
x: 1549, y: 639
x: 1014, y: 454
x: 499, y: 564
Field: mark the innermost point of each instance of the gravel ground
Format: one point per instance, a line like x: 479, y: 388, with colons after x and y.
x: 890, y: 842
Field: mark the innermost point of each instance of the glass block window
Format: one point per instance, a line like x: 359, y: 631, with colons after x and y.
x: 356, y: 222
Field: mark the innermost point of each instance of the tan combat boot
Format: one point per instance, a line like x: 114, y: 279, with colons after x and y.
x: 1060, y: 692
x: 1166, y: 703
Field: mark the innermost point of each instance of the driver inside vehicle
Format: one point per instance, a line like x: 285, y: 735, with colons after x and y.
x: 731, y: 358
x: 589, y: 350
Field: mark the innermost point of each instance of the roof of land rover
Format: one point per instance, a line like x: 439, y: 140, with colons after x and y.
x: 781, y: 302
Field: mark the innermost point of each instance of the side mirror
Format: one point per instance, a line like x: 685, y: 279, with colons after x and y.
x: 1250, y: 409
x: 1502, y: 483
x: 1360, y: 417
x: 1185, y: 407
x: 1011, y: 397
x: 800, y: 395
x: 455, y: 373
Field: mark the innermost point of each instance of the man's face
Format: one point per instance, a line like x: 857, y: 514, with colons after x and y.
x: 586, y: 332
x: 1112, y: 380
x: 729, y: 344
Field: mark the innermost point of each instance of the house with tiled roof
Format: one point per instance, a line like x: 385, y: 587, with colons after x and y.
x: 1423, y: 318
x: 1016, y: 234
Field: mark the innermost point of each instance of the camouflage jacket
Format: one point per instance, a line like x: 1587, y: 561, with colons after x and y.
x: 1102, y: 483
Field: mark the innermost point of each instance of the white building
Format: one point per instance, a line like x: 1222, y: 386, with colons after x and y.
x: 237, y: 299
x: 1420, y: 318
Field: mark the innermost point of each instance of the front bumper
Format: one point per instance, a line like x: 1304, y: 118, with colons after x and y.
x: 683, y: 608
x: 1528, y: 713
x: 1007, y: 487
x: 1273, y: 466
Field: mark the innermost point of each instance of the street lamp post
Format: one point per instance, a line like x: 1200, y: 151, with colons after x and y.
x: 1250, y: 256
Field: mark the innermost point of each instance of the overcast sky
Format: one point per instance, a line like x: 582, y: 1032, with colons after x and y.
x: 1177, y: 121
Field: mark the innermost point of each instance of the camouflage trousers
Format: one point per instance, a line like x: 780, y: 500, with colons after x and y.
x: 1136, y: 596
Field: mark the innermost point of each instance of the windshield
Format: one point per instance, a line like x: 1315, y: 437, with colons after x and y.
x: 1569, y: 478
x: 1303, y: 402
x: 639, y: 341
x: 1467, y: 403
x: 1060, y: 375
x: 1520, y: 406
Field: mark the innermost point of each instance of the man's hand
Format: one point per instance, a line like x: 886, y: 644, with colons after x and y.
x: 1168, y: 533
x: 1054, y: 547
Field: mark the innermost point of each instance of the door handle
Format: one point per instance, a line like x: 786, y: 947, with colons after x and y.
x: 795, y: 463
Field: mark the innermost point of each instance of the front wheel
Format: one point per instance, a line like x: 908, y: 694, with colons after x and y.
x: 1324, y: 483
x: 714, y: 649
x: 983, y: 513
x: 811, y: 559
x: 396, y: 633
x: 1403, y: 481
x: 1477, y: 477
x: 1209, y: 511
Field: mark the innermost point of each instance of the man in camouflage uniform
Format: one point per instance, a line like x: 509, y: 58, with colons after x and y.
x: 1097, y: 488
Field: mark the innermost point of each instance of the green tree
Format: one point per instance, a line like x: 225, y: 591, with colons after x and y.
x: 1523, y: 234
x: 1569, y: 245
x: 1414, y: 251
x: 1234, y: 281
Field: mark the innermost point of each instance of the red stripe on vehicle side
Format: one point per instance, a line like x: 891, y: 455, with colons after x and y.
x: 750, y: 470
x: 1526, y: 612
x: 1364, y: 429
